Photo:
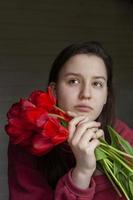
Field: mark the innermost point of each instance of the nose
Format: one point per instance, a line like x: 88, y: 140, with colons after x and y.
x: 85, y: 92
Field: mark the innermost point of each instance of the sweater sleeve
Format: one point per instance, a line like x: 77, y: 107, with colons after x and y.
x: 68, y: 191
x: 25, y: 181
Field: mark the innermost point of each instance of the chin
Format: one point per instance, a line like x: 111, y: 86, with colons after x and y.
x: 86, y: 114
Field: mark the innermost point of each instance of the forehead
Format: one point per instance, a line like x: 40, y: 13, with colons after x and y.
x: 86, y: 65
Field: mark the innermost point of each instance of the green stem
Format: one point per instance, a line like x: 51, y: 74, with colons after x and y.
x: 116, y: 157
x: 130, y: 163
x: 55, y: 115
x: 116, y: 180
x: 59, y: 109
x: 110, y: 178
x: 120, y: 152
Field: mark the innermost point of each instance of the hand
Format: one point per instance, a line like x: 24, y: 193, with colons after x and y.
x: 83, y: 139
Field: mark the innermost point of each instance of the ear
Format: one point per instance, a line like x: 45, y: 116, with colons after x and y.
x: 53, y: 88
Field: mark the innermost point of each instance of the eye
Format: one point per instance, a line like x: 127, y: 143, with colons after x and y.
x: 73, y: 81
x: 98, y: 84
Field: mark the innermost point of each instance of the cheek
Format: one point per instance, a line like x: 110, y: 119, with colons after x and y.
x: 101, y: 101
x: 103, y: 97
x: 98, y: 110
x: 62, y: 98
x: 63, y: 93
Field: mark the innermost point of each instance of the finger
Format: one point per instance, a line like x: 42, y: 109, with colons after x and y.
x: 92, y: 145
x: 99, y: 133
x: 87, y: 119
x: 86, y: 138
x: 81, y: 128
x: 73, y: 124
x: 72, y: 114
x: 84, y: 125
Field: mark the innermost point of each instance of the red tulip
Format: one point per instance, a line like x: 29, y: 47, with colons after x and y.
x: 35, y: 123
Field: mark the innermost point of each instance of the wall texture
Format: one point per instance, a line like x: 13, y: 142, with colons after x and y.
x: 33, y: 32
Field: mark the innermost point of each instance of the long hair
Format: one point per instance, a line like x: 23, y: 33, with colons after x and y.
x: 55, y: 164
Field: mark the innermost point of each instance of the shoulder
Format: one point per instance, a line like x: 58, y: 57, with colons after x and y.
x: 124, y: 130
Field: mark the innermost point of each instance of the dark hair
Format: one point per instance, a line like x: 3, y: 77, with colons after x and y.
x: 107, y: 115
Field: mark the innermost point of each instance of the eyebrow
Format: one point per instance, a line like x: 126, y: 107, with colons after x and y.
x: 77, y: 74
x: 100, y: 77
x: 72, y: 74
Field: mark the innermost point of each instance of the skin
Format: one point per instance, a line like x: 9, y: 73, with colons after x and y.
x: 81, y: 91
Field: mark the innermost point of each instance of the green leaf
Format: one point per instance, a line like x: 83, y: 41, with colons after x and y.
x: 119, y: 142
x: 117, y: 162
x: 131, y: 184
x: 100, y: 155
x: 64, y: 123
x: 114, y: 137
x: 117, y: 167
x: 123, y: 178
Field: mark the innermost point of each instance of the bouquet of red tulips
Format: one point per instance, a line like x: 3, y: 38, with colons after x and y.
x: 37, y: 124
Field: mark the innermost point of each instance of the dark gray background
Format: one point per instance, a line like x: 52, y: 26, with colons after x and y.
x: 33, y: 32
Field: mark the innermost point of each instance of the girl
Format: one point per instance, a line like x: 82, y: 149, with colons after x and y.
x: 81, y: 80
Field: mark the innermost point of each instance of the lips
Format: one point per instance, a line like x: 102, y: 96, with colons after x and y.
x: 83, y: 108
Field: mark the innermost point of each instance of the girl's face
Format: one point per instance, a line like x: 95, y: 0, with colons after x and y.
x: 82, y: 85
